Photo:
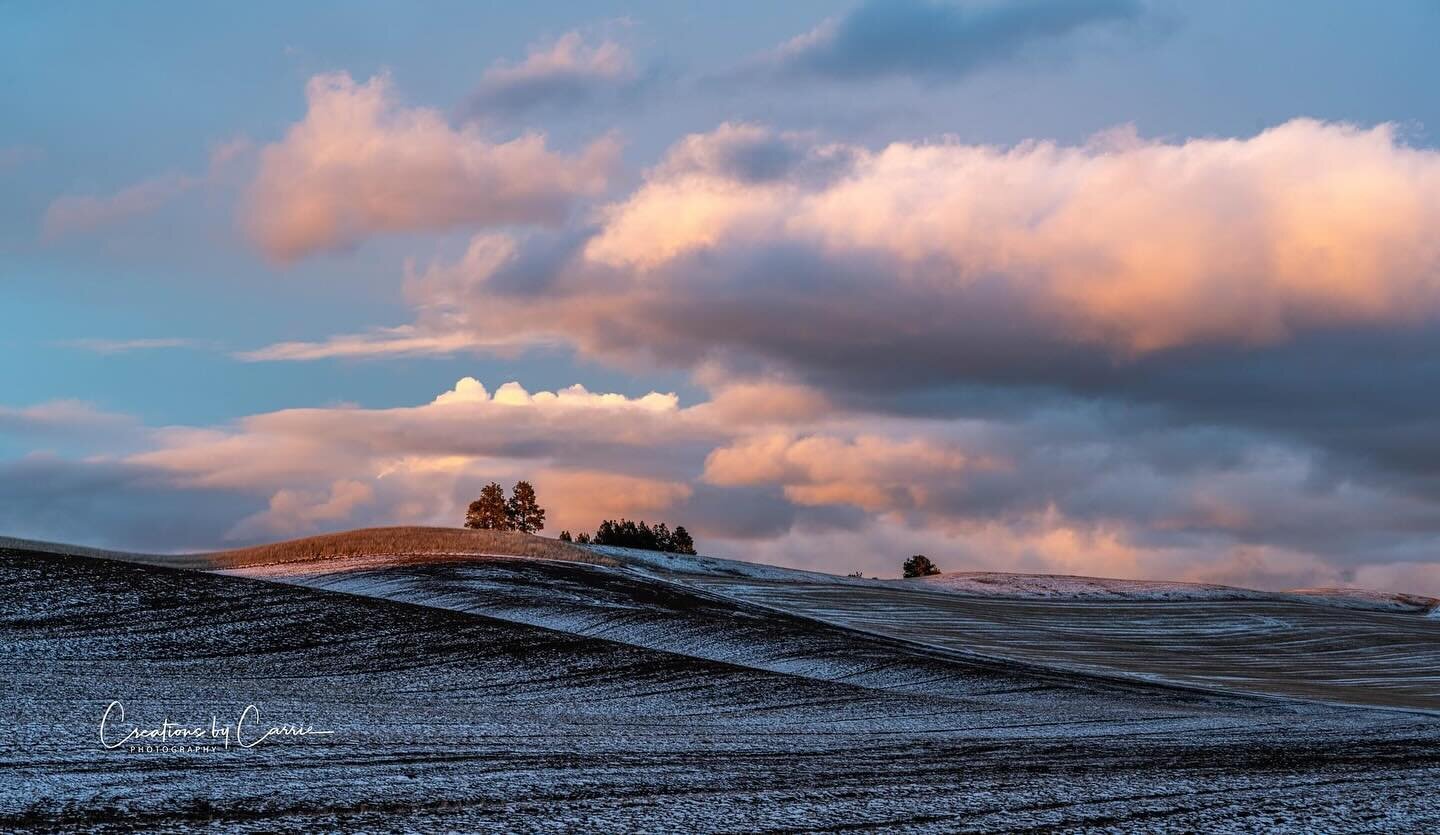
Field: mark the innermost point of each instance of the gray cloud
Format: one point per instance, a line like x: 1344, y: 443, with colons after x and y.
x: 939, y: 40
x: 108, y: 503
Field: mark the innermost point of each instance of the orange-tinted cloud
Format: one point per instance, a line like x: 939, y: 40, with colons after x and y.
x: 1135, y: 245
x: 872, y: 472
x: 360, y: 163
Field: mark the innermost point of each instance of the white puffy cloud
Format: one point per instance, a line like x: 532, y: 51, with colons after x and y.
x: 469, y: 390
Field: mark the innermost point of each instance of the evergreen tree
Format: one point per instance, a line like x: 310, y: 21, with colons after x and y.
x: 565, y: 536
x: 630, y: 534
x: 920, y: 566
x: 582, y: 539
x: 490, y: 512
x: 683, y: 544
x: 664, y: 540
x: 524, y: 512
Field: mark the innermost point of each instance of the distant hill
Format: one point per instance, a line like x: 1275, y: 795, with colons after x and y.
x: 403, y: 541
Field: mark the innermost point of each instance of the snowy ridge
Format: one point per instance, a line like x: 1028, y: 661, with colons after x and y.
x: 1321, y: 645
x: 1018, y: 586
x: 1333, y: 645
x: 1068, y: 587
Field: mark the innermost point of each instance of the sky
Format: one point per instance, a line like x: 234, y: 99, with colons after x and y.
x: 1126, y: 288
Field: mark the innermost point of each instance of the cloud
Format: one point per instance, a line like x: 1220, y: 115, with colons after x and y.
x: 565, y: 72
x: 403, y: 340
x: 294, y: 512
x: 470, y: 391
x: 123, y: 346
x: 585, y: 429
x: 751, y: 153
x: 360, y: 164
x: 109, y: 503
x: 14, y: 156
x: 1119, y: 268
x: 934, y: 40
x: 760, y: 402
x: 1280, y: 285
x: 1114, y: 246
x: 78, y: 214
x: 59, y: 418
x: 871, y: 472
x: 74, y: 214
x: 577, y: 500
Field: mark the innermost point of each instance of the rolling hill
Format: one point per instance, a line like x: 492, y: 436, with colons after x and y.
x: 605, y: 689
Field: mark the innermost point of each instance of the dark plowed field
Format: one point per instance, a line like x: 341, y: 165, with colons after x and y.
x: 457, y: 720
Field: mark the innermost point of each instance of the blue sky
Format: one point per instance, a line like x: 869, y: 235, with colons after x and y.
x: 157, y: 202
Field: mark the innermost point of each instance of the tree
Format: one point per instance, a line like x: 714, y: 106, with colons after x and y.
x: 565, y: 536
x: 628, y: 534
x: 920, y: 566
x: 582, y: 539
x: 664, y: 540
x: 524, y: 512
x: 490, y: 512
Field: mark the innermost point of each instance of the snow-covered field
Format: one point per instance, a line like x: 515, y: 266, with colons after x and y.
x: 1065, y: 587
x: 1236, y: 640
x: 688, y: 694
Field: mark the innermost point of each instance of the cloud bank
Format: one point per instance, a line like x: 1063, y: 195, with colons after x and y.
x: 1284, y: 283
x: 805, y: 482
x: 1083, y: 267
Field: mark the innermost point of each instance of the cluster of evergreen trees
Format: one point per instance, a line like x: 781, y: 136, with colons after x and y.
x: 628, y: 534
x: 493, y: 512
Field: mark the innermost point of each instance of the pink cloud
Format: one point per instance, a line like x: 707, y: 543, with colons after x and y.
x: 1139, y: 246
x: 566, y: 70
x: 292, y: 512
x: 73, y: 214
x: 360, y: 164
x: 77, y: 214
x: 748, y: 246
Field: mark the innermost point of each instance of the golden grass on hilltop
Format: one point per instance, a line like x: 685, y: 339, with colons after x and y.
x: 398, y: 541
x: 412, y: 541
